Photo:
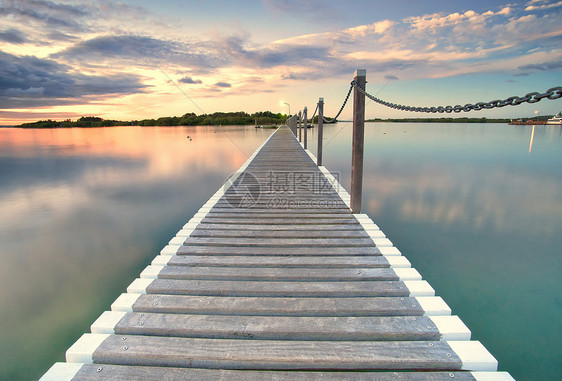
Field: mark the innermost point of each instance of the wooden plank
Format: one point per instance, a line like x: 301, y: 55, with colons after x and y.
x: 278, y: 261
x: 95, y: 372
x: 267, y: 289
x: 276, y: 274
x: 283, y: 203
x: 283, y: 251
x: 275, y: 354
x: 392, y: 328
x: 239, y: 227
x: 220, y: 233
x: 278, y: 306
x: 281, y: 221
x: 286, y: 242
x: 276, y: 213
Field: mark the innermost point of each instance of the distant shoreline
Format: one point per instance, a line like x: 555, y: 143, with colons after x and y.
x: 242, y: 119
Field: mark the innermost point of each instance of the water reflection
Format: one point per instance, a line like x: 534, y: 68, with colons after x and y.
x: 83, y: 211
x: 532, y: 136
x: 479, y: 218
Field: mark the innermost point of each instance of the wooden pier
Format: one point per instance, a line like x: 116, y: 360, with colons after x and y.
x: 275, y: 279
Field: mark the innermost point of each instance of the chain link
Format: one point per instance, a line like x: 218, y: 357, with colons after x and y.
x: 534, y: 97
x: 334, y: 119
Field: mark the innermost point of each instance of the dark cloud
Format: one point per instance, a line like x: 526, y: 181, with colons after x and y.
x: 545, y: 66
x: 143, y: 51
x: 391, y: 77
x: 278, y: 55
x: 13, y: 36
x: 190, y: 80
x: 199, y: 57
x: 289, y: 76
x: 29, y: 81
x: 223, y: 84
x: 48, y: 13
x: 56, y: 35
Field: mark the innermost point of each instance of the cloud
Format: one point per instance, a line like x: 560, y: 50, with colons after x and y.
x: 223, y: 84
x: 143, y: 51
x: 13, y: 36
x: 545, y: 66
x: 292, y: 76
x: 543, y: 6
x: 53, y: 15
x: 190, y: 80
x: 376, y: 28
x: 30, y: 81
x: 391, y: 77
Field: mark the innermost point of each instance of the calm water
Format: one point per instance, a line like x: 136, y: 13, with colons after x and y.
x: 85, y: 210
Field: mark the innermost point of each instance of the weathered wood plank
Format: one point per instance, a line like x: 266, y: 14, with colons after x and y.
x: 276, y: 213
x: 316, y: 328
x: 282, y: 221
x: 239, y: 227
x: 94, y: 372
x: 261, y: 234
x: 283, y: 251
x: 275, y: 354
x: 286, y: 242
x: 278, y: 261
x: 266, y: 289
x: 277, y: 274
x: 278, y: 306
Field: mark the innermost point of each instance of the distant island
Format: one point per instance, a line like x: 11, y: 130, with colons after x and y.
x: 242, y: 118
x: 189, y: 119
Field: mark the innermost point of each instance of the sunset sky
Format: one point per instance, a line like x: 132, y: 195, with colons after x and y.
x: 140, y: 59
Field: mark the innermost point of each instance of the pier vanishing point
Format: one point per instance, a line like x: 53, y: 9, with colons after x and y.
x: 276, y: 279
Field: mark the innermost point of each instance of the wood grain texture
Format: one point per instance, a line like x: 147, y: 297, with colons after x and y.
x: 279, y: 242
x: 275, y: 354
x: 266, y: 289
x: 276, y: 274
x: 279, y: 327
x: 278, y: 306
x: 283, y: 251
x: 94, y: 372
x: 293, y: 234
x: 322, y: 262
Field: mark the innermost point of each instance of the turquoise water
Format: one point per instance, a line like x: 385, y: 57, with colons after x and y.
x: 85, y: 210
x: 478, y: 211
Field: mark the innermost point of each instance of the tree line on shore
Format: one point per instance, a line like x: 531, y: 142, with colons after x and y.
x: 228, y: 118
x: 189, y: 119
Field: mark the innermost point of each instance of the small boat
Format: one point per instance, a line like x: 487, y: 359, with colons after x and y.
x: 556, y: 119
x: 267, y: 126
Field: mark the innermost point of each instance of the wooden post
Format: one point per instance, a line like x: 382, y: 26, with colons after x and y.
x: 300, y: 126
x: 320, y: 128
x: 358, y: 141
x: 305, y: 126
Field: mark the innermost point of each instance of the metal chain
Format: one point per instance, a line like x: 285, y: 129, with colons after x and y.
x: 334, y: 119
x: 313, y: 115
x: 534, y: 97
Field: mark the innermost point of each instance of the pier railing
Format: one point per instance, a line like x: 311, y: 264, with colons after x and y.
x: 298, y: 123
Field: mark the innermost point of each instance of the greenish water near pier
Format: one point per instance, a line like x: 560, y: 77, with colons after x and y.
x: 85, y: 210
